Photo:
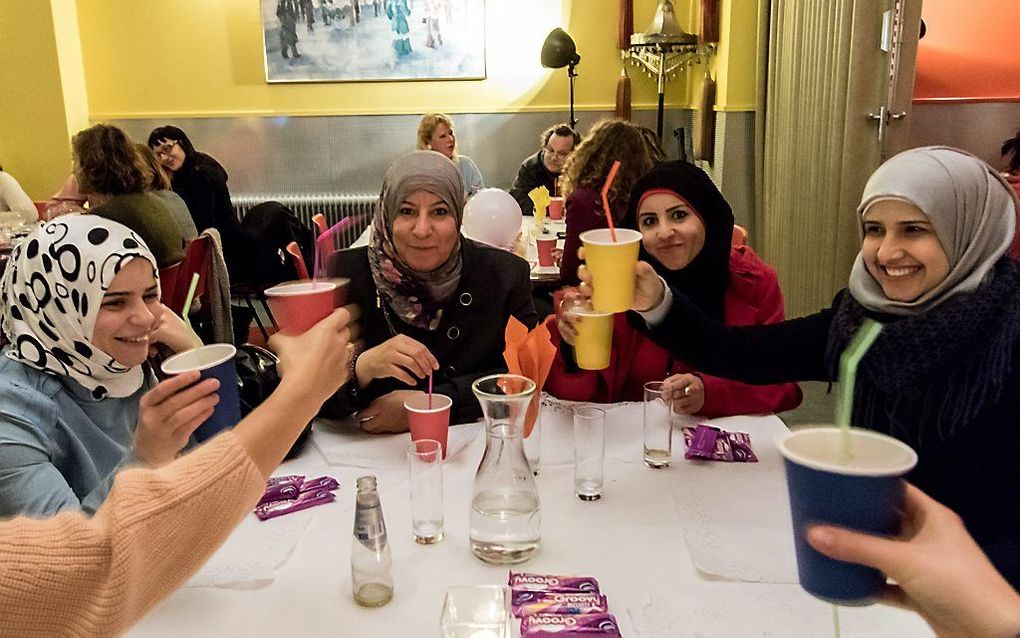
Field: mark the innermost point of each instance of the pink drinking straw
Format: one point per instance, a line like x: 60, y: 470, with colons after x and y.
x: 430, y: 390
x: 605, y: 198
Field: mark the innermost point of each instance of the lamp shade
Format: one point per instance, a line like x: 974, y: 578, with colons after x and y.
x: 559, y: 50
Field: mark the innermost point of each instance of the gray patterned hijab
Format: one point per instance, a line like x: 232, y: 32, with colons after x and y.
x: 969, y: 205
x: 51, y: 295
x: 418, y: 298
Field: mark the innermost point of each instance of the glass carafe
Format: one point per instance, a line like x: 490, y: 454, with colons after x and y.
x: 505, y: 516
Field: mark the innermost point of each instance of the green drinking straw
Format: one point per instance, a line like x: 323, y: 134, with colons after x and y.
x: 848, y: 362
x: 187, y: 300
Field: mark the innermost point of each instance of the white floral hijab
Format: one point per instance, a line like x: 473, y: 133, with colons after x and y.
x: 51, y: 295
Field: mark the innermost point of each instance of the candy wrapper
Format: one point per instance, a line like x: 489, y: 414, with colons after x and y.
x: 280, y: 492
x: 529, y: 603
x: 290, y: 479
x: 550, y: 582
x: 715, y: 444
x: 543, y: 625
x: 320, y: 483
x: 306, y: 500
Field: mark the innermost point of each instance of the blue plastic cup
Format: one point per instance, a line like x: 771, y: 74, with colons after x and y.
x: 215, y: 361
x: 864, y: 494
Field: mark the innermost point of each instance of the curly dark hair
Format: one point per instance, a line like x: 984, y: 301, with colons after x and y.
x: 106, y: 162
x: 1011, y: 150
x: 607, y: 141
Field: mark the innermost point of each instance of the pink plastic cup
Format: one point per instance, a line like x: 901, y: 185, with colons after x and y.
x: 556, y: 207
x: 297, y: 306
x: 546, y: 245
x: 429, y: 423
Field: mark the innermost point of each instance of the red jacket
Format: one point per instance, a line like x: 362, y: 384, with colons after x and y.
x: 752, y: 297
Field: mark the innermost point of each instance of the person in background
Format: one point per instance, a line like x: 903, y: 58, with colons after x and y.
x: 69, y: 199
x: 585, y: 173
x: 73, y: 575
x: 943, y: 376
x: 110, y: 171
x: 435, y: 303
x: 543, y: 168
x: 13, y: 198
x: 160, y: 187
x: 78, y: 400
x: 202, y: 183
x: 685, y: 225
x: 938, y: 569
x: 1011, y: 153
x: 435, y: 133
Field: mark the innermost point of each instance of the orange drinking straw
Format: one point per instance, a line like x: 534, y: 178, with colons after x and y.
x: 605, y: 198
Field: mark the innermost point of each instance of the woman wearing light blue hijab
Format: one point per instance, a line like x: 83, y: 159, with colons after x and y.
x: 944, y: 374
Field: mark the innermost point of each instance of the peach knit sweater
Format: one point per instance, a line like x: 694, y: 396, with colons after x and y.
x: 71, y: 575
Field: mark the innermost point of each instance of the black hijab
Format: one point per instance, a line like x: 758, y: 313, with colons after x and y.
x: 704, y: 280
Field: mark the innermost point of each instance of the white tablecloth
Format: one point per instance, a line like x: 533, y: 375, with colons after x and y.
x: 633, y: 541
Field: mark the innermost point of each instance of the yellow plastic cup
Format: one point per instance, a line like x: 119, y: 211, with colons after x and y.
x: 611, y: 265
x: 594, y: 341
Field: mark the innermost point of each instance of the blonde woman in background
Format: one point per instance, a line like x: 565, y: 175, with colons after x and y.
x: 435, y: 133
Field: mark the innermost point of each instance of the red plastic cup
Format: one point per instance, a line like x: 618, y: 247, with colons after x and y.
x: 546, y: 245
x: 429, y: 423
x: 297, y: 306
x: 556, y: 207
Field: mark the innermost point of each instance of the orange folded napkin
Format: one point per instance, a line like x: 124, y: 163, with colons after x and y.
x: 529, y: 354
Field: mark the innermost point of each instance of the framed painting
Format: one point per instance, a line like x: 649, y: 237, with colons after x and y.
x: 373, y: 40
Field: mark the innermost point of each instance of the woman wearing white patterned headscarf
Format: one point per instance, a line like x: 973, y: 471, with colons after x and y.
x: 80, y: 313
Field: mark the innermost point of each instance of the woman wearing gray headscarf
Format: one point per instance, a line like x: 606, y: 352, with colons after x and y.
x: 944, y: 374
x: 434, y: 302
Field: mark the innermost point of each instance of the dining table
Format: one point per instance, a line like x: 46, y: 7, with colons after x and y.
x: 698, y: 548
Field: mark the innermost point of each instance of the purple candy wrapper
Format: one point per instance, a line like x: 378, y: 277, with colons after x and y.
x: 291, y: 479
x: 550, y: 582
x: 320, y: 483
x: 529, y: 603
x: 542, y: 625
x: 715, y: 444
x: 280, y: 492
x: 306, y: 500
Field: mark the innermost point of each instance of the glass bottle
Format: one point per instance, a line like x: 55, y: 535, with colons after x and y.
x: 370, y: 554
x: 505, y: 516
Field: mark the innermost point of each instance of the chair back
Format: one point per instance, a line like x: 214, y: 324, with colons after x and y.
x: 168, y: 282
x: 739, y: 236
x: 297, y: 259
x: 197, y: 259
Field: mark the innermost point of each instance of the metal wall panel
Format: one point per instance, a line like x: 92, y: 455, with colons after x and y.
x: 980, y: 128
x: 349, y: 154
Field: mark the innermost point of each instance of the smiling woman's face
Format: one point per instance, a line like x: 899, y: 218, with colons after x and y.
x: 670, y: 230
x: 901, y: 250
x: 128, y: 313
x: 425, y: 231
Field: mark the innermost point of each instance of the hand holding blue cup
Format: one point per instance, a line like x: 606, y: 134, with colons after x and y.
x: 864, y: 493
x: 215, y: 361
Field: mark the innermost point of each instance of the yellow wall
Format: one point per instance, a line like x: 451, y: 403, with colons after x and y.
x: 194, y: 58
x: 35, y: 121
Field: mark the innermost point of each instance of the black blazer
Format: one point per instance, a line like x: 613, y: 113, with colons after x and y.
x: 469, y: 341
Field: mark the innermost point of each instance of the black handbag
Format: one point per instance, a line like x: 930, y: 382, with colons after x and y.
x: 257, y: 378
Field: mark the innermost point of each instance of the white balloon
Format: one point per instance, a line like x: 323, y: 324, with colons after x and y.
x: 492, y: 217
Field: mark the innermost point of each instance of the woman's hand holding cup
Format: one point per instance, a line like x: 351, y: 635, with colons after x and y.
x: 648, y: 287
x: 318, y: 360
x: 169, y: 413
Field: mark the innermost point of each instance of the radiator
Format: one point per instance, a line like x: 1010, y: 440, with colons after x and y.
x: 334, y: 206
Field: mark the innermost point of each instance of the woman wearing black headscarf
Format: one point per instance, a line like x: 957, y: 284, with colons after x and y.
x: 433, y: 302
x: 686, y: 228
x: 202, y: 183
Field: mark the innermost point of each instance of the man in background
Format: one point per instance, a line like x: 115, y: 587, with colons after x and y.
x: 543, y: 168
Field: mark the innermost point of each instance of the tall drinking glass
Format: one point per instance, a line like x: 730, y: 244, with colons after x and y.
x: 589, y: 452
x: 425, y: 463
x: 657, y: 426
